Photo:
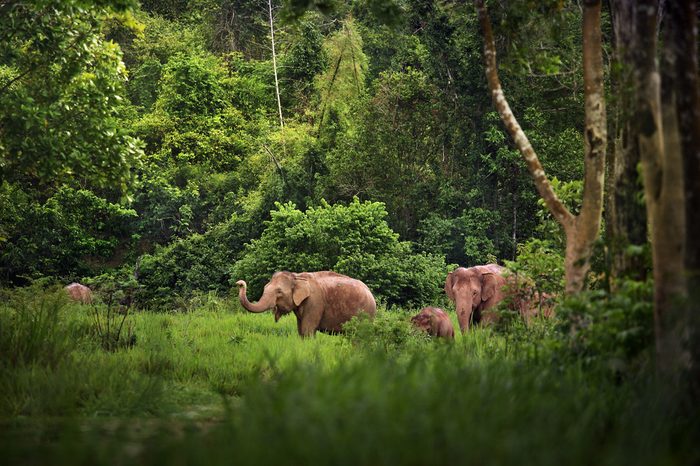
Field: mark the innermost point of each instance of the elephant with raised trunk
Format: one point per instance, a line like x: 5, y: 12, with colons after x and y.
x: 320, y: 300
x: 474, y: 290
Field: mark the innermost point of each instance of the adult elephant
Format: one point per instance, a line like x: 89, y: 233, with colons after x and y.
x: 474, y: 290
x: 320, y: 300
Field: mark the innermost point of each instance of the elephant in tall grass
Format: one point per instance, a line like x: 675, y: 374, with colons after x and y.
x: 79, y: 293
x: 435, y: 321
x: 474, y: 290
x: 320, y: 300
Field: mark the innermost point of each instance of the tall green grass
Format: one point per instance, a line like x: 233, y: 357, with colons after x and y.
x: 219, y: 386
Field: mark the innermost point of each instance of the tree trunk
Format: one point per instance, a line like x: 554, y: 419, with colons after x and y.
x: 681, y: 53
x: 626, y: 223
x: 274, y: 64
x: 660, y: 154
x: 582, y: 231
x: 587, y: 224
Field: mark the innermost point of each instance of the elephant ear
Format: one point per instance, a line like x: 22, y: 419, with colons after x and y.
x: 488, y: 286
x: 302, y: 290
x: 448, y: 287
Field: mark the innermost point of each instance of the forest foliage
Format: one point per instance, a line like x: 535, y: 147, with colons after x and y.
x: 142, y: 153
x: 156, y: 149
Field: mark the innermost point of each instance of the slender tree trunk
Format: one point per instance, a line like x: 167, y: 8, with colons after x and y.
x: 581, y: 231
x: 274, y: 64
x: 626, y: 223
x: 587, y: 224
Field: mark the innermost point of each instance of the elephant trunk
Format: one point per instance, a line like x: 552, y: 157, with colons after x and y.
x: 262, y: 305
x: 464, y: 307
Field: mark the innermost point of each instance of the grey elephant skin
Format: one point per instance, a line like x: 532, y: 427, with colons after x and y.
x: 474, y: 290
x: 321, y: 301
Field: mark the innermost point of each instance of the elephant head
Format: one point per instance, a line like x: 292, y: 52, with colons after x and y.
x: 422, y: 321
x: 284, y: 292
x: 434, y: 321
x: 474, y: 289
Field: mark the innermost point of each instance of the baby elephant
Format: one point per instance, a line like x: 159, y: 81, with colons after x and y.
x: 435, y: 321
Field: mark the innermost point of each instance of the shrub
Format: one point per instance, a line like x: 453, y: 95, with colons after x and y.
x: 386, y: 332
x: 614, y: 329
x: 71, y: 234
x: 197, y: 263
x: 110, y: 313
x: 540, y: 261
x: 354, y: 240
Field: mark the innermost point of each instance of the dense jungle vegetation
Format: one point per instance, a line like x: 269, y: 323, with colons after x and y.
x: 160, y: 150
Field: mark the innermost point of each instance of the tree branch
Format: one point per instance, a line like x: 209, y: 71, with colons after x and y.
x: 544, y: 187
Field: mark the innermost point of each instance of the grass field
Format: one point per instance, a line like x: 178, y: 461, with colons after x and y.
x: 219, y: 386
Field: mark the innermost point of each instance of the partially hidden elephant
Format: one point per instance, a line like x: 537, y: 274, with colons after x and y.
x: 79, y: 293
x: 474, y: 290
x: 435, y: 321
x: 321, y: 301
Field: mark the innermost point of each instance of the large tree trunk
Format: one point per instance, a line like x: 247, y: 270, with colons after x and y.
x: 681, y: 50
x: 581, y: 231
x: 659, y: 148
x: 625, y: 221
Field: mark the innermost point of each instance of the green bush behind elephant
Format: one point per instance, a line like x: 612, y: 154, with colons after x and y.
x: 352, y: 239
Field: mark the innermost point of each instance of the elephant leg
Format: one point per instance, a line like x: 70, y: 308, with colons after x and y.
x: 464, y: 319
x: 308, y: 322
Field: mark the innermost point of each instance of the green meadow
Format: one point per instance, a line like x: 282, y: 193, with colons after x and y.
x: 216, y: 385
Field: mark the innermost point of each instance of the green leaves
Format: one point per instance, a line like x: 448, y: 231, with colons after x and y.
x: 344, y: 80
x: 71, y: 233
x: 354, y: 240
x: 613, y: 328
x: 60, y: 96
x: 191, y: 86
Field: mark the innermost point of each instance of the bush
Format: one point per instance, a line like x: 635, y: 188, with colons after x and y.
x: 386, y: 332
x: 73, y: 233
x: 197, y: 263
x: 614, y: 329
x: 111, y: 324
x: 354, y: 240
x: 540, y: 261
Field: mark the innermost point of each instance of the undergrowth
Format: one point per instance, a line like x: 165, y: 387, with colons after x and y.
x: 219, y: 386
